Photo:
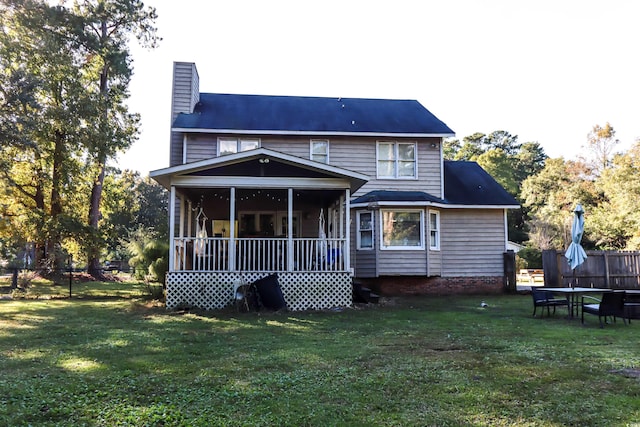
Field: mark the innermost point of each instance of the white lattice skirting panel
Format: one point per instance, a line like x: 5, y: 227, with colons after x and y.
x: 301, y: 290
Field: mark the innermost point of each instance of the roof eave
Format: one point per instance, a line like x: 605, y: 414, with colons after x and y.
x: 433, y: 204
x: 314, y: 133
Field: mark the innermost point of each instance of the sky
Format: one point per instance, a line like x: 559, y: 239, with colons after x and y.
x: 544, y: 70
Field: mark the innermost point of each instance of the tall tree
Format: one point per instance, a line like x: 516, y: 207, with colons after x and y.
x: 601, y: 143
x: 101, y: 30
x: 41, y: 114
x: 615, y: 222
x: 551, y: 195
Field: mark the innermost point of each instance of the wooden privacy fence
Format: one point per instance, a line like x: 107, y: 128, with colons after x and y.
x: 602, y: 269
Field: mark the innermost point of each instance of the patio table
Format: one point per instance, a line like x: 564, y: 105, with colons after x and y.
x: 574, y: 293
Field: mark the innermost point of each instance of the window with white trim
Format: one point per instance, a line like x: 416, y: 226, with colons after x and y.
x: 320, y: 150
x: 402, y: 229
x: 434, y: 230
x: 236, y: 145
x: 397, y: 160
x: 364, y: 237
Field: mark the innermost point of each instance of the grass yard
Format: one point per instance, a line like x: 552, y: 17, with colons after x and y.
x: 442, y: 361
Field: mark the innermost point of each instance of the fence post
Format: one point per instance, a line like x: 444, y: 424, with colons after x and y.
x: 70, y: 273
x: 14, y: 278
x: 510, y: 270
x: 550, y: 267
x: 606, y: 270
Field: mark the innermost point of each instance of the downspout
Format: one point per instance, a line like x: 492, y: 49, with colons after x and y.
x: 426, y: 237
x: 506, y: 231
x: 184, y: 148
x: 442, y: 195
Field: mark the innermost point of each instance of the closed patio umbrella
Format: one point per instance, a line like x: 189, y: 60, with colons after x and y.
x: 575, y: 254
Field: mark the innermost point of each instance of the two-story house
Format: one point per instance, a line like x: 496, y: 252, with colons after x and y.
x: 320, y: 190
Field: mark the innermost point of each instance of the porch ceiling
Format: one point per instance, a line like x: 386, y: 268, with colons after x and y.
x: 253, y: 196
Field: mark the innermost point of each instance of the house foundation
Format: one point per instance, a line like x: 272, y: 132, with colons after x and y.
x: 416, y: 285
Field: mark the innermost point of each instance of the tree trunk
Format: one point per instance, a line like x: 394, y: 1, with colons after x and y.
x: 93, y: 252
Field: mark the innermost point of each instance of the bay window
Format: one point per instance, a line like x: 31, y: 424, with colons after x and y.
x: 434, y: 230
x: 402, y: 229
x: 364, y: 236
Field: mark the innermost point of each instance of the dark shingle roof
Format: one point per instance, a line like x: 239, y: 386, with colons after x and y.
x: 466, y: 183
x: 396, y: 196
x: 311, y: 114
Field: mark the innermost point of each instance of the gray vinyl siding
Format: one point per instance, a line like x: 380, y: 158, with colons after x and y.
x: 472, y: 242
x: 402, y: 263
x: 294, y: 146
x: 359, y: 155
x: 201, y: 147
x: 186, y: 93
x: 354, y: 154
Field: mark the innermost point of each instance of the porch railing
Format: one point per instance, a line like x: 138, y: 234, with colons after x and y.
x: 259, y: 254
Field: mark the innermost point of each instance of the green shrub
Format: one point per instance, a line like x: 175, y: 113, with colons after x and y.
x: 529, y: 258
x: 150, y: 257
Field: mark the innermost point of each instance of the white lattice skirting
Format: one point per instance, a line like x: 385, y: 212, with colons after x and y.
x: 301, y: 290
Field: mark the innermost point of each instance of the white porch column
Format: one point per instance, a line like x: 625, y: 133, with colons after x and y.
x: 189, y: 218
x: 232, y: 229
x: 290, y: 229
x: 182, y: 214
x: 172, y: 228
x: 347, y: 220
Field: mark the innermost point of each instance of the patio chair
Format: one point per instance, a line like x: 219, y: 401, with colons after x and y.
x: 543, y: 298
x: 610, y: 305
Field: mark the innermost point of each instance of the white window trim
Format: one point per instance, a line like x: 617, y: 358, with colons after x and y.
x: 396, y: 160
x: 438, y: 231
x: 402, y: 248
x: 311, y: 153
x: 359, y: 230
x: 237, y: 141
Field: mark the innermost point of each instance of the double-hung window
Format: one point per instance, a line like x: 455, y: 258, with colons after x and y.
x: 236, y: 145
x: 434, y: 230
x: 320, y: 150
x: 365, y: 230
x: 397, y: 160
x: 402, y: 229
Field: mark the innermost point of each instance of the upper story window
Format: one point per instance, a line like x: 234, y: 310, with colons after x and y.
x: 236, y: 145
x: 402, y: 229
x: 434, y: 230
x: 397, y: 160
x: 320, y: 150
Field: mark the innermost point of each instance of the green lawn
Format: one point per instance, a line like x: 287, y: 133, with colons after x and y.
x: 441, y: 361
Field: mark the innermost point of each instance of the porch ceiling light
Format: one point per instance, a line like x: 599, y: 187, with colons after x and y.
x: 264, y: 160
